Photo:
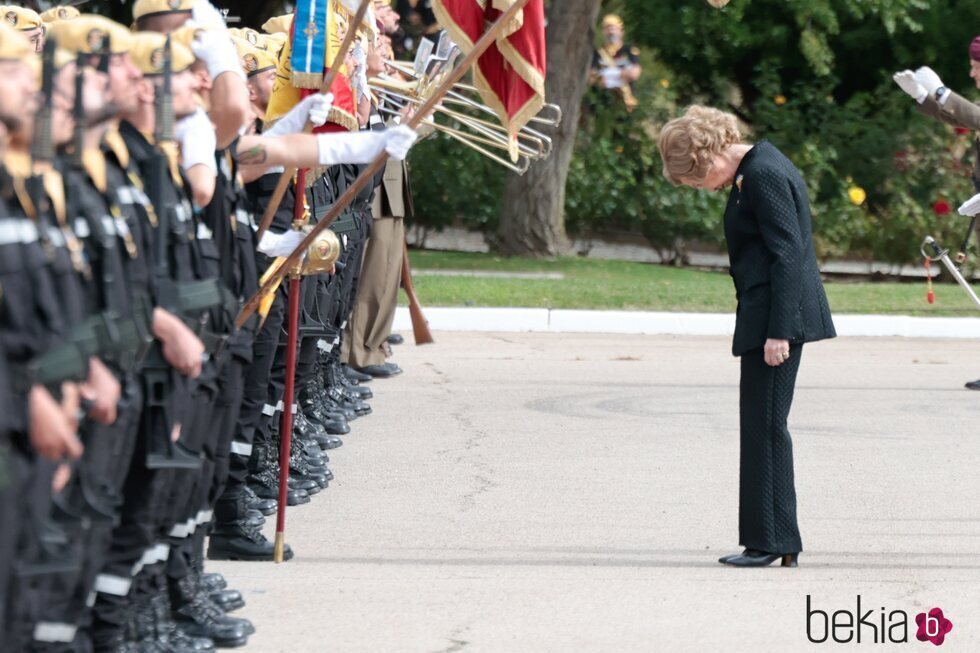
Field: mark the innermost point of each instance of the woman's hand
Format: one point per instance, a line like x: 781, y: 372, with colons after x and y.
x: 776, y: 352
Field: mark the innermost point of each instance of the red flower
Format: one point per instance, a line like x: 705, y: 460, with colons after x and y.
x: 962, y: 131
x: 941, y: 207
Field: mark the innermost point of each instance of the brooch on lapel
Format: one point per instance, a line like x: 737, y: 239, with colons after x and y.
x: 738, y: 185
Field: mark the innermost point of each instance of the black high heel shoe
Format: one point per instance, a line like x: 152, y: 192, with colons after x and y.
x: 756, y: 558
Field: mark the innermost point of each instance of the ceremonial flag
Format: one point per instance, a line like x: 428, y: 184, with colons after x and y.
x: 317, y: 30
x: 510, y: 75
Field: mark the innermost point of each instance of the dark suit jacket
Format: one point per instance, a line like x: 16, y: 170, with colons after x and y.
x: 770, y: 248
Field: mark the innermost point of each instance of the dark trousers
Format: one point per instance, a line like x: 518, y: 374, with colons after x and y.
x: 13, y: 467
x: 267, y: 427
x: 767, y: 494
x: 226, y: 415
x: 257, y: 407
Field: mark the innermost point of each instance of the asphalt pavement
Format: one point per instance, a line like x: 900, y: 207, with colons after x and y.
x: 560, y: 492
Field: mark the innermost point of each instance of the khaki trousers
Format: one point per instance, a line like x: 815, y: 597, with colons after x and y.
x: 377, y: 295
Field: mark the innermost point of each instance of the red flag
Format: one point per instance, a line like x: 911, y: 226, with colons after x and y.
x: 510, y: 75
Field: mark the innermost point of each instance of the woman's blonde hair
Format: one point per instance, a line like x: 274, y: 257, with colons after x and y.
x: 688, y: 143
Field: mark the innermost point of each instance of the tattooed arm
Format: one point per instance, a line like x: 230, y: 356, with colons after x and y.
x: 261, y: 152
x: 307, y: 150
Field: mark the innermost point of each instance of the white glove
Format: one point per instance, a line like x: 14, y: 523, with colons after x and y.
x: 971, y: 207
x: 208, y: 17
x: 315, y: 108
x: 906, y: 80
x: 276, y: 245
x: 218, y: 53
x: 197, y: 139
x: 364, y: 147
x: 928, y: 78
x: 930, y: 81
x: 399, y: 141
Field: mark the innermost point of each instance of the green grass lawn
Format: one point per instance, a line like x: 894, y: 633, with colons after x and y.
x: 596, y: 284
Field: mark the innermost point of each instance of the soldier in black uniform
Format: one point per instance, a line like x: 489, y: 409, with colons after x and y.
x: 234, y: 535
x: 51, y: 608
x: 37, y: 428
x: 146, y: 533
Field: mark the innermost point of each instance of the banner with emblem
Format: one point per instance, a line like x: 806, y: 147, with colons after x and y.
x: 317, y: 31
x: 510, y: 75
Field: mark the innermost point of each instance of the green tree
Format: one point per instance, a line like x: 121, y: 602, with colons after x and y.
x: 814, y: 76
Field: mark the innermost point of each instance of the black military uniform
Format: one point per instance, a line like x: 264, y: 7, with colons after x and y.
x: 31, y: 324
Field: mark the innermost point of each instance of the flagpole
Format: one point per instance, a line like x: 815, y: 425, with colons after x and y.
x: 288, y: 395
x: 367, y: 176
x: 276, y: 199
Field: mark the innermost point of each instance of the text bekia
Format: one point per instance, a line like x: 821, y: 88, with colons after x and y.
x: 874, y: 626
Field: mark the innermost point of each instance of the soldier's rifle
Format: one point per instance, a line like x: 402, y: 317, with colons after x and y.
x: 48, y: 552
x: 162, y: 383
x: 69, y: 360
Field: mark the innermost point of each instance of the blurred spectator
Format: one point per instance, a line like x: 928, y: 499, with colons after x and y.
x: 416, y: 20
x: 616, y: 65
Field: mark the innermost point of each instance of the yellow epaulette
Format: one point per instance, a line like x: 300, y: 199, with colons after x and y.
x: 114, y: 141
x: 94, y: 163
x: 54, y: 186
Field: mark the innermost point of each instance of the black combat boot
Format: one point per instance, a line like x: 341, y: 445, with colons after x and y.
x: 227, y: 599
x: 263, y: 506
x: 335, y: 376
x: 264, y: 482
x: 255, y: 518
x: 312, y: 454
x: 214, y: 581
x: 327, y: 403
x: 234, y: 539
x: 171, y: 637
x: 356, y: 377
x: 300, y: 466
x: 310, y: 437
x: 328, y: 415
x: 198, y: 616
x: 143, y: 626
x: 340, y: 394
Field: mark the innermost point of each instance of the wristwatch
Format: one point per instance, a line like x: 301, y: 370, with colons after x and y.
x: 940, y: 93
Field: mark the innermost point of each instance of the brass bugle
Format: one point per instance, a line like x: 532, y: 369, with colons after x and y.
x: 474, y: 143
x: 533, y: 147
x: 520, y: 168
x: 555, y: 110
x: 530, y: 143
x: 404, y: 89
x: 531, y: 134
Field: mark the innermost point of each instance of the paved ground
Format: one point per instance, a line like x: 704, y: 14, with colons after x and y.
x: 543, y: 492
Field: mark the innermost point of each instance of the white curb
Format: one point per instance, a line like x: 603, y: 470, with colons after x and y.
x: 661, y: 323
